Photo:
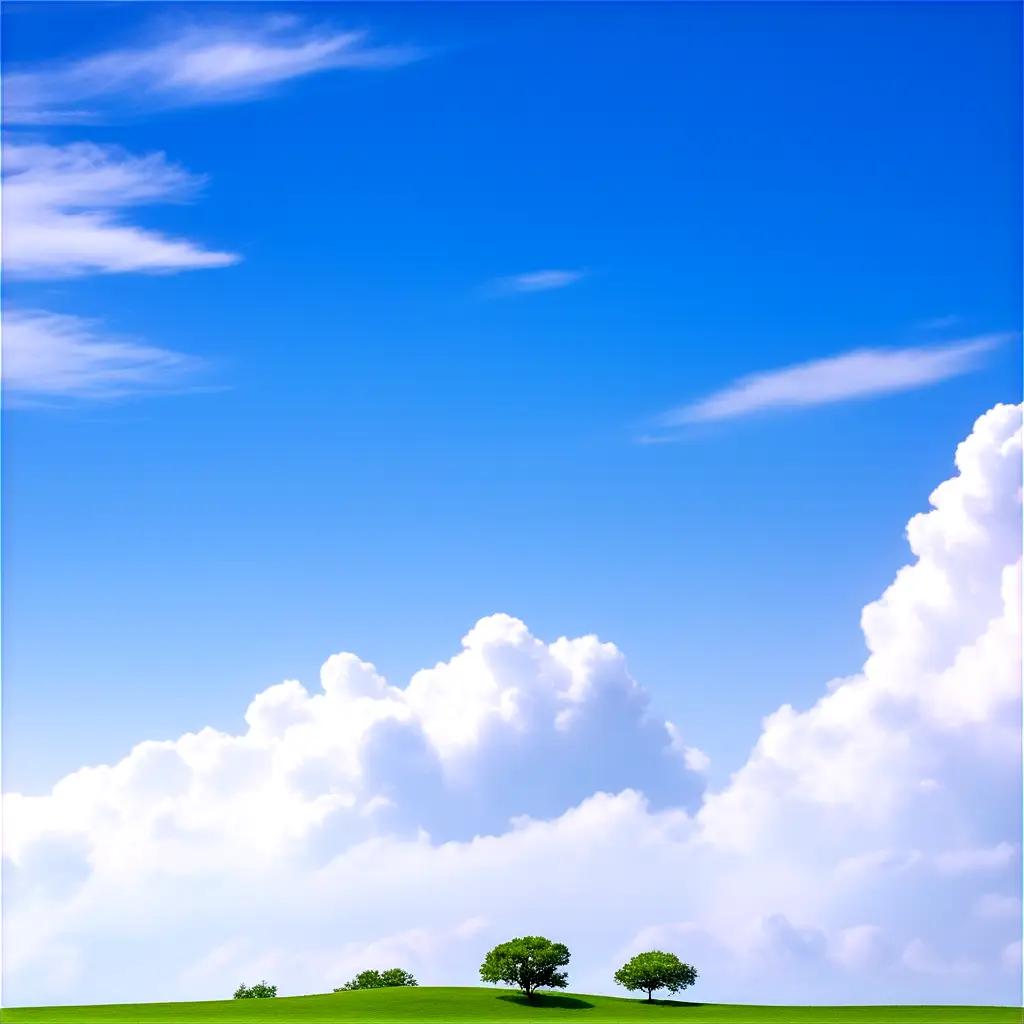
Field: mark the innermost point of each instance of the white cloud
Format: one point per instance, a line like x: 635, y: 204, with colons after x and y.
x: 202, y: 63
x: 51, y: 355
x: 61, y: 209
x: 920, y: 957
x: 536, y: 281
x: 693, y: 757
x: 958, y: 862
x: 367, y: 816
x: 939, y: 323
x: 994, y: 904
x: 859, y: 374
x: 860, y: 947
x: 1012, y: 956
x: 482, y: 728
x: 64, y: 206
x: 942, y: 663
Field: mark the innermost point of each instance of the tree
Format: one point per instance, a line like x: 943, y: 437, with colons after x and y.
x: 648, y: 972
x: 529, y: 963
x: 261, y: 990
x: 364, y: 979
x: 394, y: 977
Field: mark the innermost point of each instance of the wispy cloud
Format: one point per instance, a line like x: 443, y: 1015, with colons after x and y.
x: 53, y: 355
x: 199, y: 64
x: 535, y: 281
x: 939, y: 323
x: 859, y: 374
x: 64, y: 206
x: 61, y: 209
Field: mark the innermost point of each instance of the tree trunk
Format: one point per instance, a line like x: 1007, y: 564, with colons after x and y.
x: 650, y: 995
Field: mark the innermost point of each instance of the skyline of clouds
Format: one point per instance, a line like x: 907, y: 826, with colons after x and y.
x: 873, y: 835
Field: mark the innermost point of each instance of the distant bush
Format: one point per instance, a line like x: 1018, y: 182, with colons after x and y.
x: 394, y: 977
x: 529, y: 963
x: 648, y: 972
x: 261, y: 990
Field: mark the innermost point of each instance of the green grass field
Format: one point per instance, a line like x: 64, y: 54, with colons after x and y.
x: 469, y: 1005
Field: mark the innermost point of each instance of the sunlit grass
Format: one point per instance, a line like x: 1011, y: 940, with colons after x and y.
x: 396, y: 1006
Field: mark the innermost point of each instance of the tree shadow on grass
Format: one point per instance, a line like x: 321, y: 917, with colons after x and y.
x: 669, y: 1002
x: 542, y: 1001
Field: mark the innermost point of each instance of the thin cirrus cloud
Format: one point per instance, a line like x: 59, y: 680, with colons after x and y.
x: 64, y: 206
x: 200, y: 64
x: 62, y: 212
x: 50, y: 356
x: 535, y: 281
x: 858, y: 374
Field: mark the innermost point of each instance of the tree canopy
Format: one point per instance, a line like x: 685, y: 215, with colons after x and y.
x: 261, y: 990
x: 528, y: 963
x: 394, y: 977
x: 649, y: 972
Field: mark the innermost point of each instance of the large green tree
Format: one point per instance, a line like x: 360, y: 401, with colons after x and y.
x: 649, y: 972
x: 529, y: 963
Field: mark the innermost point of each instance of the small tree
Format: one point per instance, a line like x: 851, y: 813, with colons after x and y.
x: 529, y: 963
x: 648, y: 972
x: 261, y: 990
x: 394, y: 977
x: 364, y: 979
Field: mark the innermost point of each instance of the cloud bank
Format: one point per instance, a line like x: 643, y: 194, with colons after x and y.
x: 858, y: 374
x: 867, y: 850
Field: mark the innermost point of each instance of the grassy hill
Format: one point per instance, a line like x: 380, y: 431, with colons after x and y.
x: 398, y: 1006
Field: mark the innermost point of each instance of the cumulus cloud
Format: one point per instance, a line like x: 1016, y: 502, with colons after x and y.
x: 943, y: 660
x: 55, y: 355
x: 535, y: 281
x: 508, y: 726
x: 62, y: 209
x: 859, y: 374
x: 524, y: 785
x: 200, y: 63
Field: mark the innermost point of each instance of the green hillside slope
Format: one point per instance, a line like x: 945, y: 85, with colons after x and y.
x: 397, y: 1006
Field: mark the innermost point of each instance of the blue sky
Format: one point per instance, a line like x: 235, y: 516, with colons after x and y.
x: 466, y: 282
x: 380, y: 451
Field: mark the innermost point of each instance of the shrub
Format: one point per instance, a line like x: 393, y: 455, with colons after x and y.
x: 648, y: 972
x: 529, y: 963
x: 394, y: 977
x: 261, y: 990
